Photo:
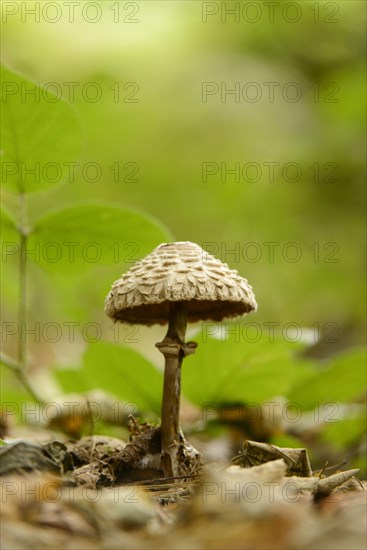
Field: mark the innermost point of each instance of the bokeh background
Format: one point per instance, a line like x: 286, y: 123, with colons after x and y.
x: 168, y: 126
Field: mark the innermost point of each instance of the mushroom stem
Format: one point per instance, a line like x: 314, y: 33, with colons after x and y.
x: 177, y: 321
x: 174, y: 350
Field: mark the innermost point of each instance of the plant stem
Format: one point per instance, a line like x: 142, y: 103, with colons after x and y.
x: 20, y: 367
x: 22, y: 311
x: 16, y: 368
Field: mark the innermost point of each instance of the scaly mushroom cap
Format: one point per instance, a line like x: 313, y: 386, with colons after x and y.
x: 179, y: 272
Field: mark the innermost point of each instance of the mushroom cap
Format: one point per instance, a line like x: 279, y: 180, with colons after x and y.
x: 179, y: 272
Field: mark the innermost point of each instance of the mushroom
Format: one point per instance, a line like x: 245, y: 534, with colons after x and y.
x: 177, y: 283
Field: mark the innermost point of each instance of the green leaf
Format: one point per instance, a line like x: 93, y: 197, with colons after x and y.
x: 10, y: 247
x: 85, y: 248
x: 94, y: 233
x: 231, y: 369
x: 8, y: 228
x: 119, y: 370
x: 345, y: 431
x: 72, y: 380
x: 343, y: 380
x: 40, y: 135
x: 13, y: 396
x: 286, y: 440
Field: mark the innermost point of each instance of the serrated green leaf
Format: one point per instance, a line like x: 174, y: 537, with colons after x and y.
x: 342, y: 380
x: 94, y: 233
x: 40, y: 135
x: 231, y: 369
x: 119, y: 370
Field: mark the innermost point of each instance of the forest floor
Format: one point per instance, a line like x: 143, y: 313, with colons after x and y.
x: 86, y: 495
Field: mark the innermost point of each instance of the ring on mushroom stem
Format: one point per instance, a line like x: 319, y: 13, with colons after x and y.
x: 177, y: 283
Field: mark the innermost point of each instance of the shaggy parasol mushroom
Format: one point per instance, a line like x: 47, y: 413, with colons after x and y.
x: 177, y: 283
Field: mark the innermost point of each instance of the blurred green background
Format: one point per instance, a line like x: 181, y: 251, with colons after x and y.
x: 169, y: 53
x: 150, y: 64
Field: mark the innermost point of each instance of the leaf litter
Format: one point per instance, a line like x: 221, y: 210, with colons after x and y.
x: 103, y: 493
